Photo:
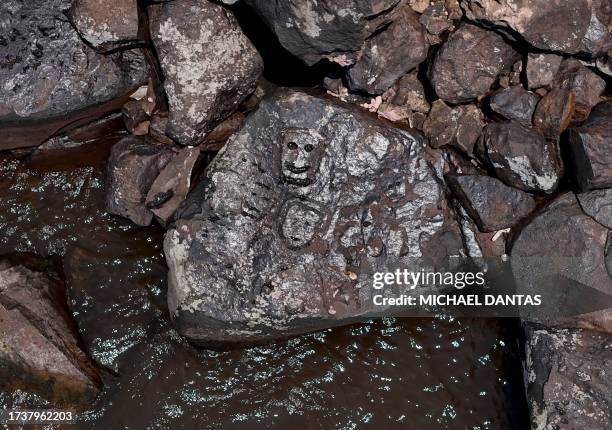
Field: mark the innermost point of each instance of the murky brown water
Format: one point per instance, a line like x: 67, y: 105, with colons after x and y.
x: 413, y: 374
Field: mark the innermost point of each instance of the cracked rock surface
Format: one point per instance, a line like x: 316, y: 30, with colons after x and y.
x: 295, y: 208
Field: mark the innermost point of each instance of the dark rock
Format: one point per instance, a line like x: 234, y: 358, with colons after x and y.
x: 598, y: 204
x: 106, y: 24
x: 301, y: 200
x: 436, y: 18
x: 157, y: 129
x: 515, y: 103
x: 554, y: 113
x: 209, y: 69
x: 542, y: 69
x: 173, y: 184
x: 568, y: 26
x: 521, y: 157
x: 559, y: 248
x: 134, y: 116
x: 590, y: 148
x: 39, y: 351
x: 460, y: 126
x: 217, y: 138
x: 583, y: 83
x: 468, y: 64
x: 313, y: 31
x: 132, y: 167
x: 388, y: 55
x: 491, y: 204
x: 409, y: 92
x: 568, y: 381
x: 50, y: 76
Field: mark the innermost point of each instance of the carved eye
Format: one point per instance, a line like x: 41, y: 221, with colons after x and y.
x: 308, y: 147
x: 292, y: 145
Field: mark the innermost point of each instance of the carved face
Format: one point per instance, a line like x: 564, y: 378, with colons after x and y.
x: 394, y: 188
x: 299, y: 223
x: 301, y: 154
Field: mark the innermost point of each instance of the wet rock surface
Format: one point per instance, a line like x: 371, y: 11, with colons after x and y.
x: 521, y: 157
x: 388, y: 55
x: 515, y: 103
x: 568, y: 385
x: 491, y: 204
x: 590, y: 149
x: 468, y: 64
x: 106, y: 24
x: 38, y: 348
x: 133, y: 166
x: 236, y: 259
x: 48, y: 72
x: 209, y: 70
x: 564, y: 248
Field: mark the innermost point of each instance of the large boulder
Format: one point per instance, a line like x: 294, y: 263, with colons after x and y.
x: 316, y: 29
x: 49, y: 78
x: 390, y: 54
x: 567, y: 378
x: 561, y: 254
x: 106, y: 24
x: 468, y: 64
x: 568, y: 26
x: 39, y: 352
x: 291, y: 214
x: 209, y: 65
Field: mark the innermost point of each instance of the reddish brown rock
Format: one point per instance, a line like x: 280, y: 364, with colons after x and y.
x: 468, y: 64
x: 542, y: 69
x: 390, y: 54
x: 554, y: 113
x: 491, y: 204
x: 134, y: 116
x: 132, y: 168
x: 172, y: 185
x: 460, y: 127
x: 515, y: 103
x: 583, y: 83
x: 590, y: 147
x: 521, y: 157
x: 39, y: 351
x: 106, y: 24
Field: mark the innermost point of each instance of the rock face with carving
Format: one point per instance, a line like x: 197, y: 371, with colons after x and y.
x: 306, y: 198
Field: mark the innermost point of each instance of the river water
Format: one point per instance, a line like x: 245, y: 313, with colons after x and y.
x: 436, y: 373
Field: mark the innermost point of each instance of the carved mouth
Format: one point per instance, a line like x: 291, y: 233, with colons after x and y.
x: 294, y: 169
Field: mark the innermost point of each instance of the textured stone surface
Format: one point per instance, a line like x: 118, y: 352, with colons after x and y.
x: 172, y: 185
x: 568, y: 381
x: 590, y: 148
x: 554, y: 113
x: 583, y: 83
x: 515, y: 103
x: 491, y: 204
x: 291, y: 213
x: 132, y: 167
x: 209, y: 65
x: 468, y: 64
x: 521, y: 157
x: 542, y: 69
x: 316, y: 29
x: 460, y: 126
x: 405, y: 100
x: 598, y: 204
x: 106, y: 24
x: 569, y: 26
x: 559, y: 247
x: 39, y: 351
x: 390, y: 54
x: 46, y: 71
